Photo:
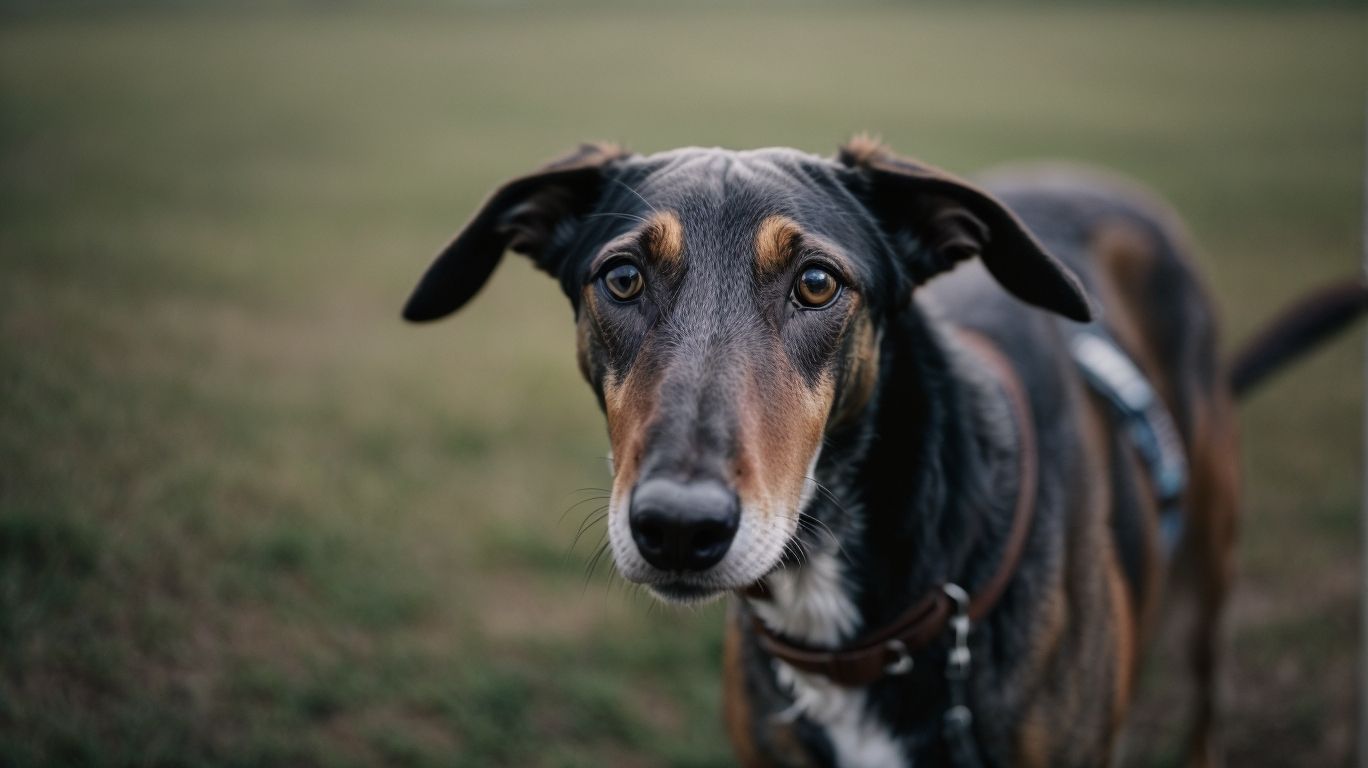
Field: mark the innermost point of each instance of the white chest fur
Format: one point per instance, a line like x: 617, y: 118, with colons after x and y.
x: 811, y: 604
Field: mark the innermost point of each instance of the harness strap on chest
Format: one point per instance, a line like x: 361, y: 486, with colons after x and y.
x: 1111, y: 373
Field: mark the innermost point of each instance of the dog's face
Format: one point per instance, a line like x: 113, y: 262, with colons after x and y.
x: 721, y: 322
x: 730, y: 307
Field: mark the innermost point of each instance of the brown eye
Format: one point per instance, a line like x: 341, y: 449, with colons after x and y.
x: 624, y: 282
x: 816, y: 288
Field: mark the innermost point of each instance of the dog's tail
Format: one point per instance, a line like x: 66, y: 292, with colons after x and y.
x: 1299, y: 328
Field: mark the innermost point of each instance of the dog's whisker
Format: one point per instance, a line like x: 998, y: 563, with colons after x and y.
x: 618, y: 214
x: 809, y: 524
x: 804, y: 552
x: 590, y: 520
x: 593, y: 562
x: 628, y: 187
x: 831, y: 497
x: 817, y: 525
x: 571, y: 508
x: 840, y: 547
x: 596, y: 491
x: 793, y: 553
x: 794, y: 548
x: 825, y: 491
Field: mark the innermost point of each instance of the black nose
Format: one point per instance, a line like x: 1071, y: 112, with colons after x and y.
x: 683, y: 526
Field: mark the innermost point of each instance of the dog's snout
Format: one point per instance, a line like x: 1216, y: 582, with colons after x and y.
x: 683, y: 526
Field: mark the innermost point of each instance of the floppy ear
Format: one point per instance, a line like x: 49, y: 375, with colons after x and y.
x: 526, y: 215
x: 938, y: 221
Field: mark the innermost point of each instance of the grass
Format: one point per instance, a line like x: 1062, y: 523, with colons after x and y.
x: 248, y: 518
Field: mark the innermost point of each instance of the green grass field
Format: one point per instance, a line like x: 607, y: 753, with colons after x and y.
x: 247, y: 517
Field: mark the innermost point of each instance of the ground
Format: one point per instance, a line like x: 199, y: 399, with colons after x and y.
x: 247, y: 517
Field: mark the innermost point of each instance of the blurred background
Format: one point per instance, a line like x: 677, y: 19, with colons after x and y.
x: 247, y: 517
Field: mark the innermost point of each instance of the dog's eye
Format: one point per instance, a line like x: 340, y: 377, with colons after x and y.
x: 816, y: 288
x: 623, y: 281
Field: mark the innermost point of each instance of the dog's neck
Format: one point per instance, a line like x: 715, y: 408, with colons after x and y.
x: 924, y: 485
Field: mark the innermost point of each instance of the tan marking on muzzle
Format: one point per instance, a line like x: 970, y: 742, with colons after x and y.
x: 630, y: 406
x: 781, y: 426
x: 861, y: 371
x: 775, y: 243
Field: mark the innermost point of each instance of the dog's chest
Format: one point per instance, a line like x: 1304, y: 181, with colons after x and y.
x: 812, y: 605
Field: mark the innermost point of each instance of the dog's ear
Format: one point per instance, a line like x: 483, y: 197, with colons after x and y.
x: 526, y: 215
x: 936, y: 221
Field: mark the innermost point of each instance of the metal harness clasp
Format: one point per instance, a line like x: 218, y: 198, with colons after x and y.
x: 958, y: 721
x: 957, y: 665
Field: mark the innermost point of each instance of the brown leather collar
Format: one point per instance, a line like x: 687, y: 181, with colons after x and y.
x: 888, y: 650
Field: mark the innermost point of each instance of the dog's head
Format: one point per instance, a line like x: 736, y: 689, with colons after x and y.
x: 730, y: 307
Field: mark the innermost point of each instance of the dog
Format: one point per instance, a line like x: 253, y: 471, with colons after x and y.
x: 946, y: 444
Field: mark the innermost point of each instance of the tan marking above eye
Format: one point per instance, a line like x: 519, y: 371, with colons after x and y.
x: 663, y: 236
x: 775, y: 243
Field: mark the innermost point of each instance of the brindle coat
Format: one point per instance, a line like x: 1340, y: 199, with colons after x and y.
x: 860, y: 436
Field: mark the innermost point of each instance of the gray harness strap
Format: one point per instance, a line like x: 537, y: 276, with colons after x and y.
x: 1113, y: 375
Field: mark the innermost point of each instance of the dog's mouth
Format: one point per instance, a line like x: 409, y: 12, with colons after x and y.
x: 685, y: 591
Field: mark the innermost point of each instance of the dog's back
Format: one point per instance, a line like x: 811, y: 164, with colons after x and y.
x: 1133, y: 255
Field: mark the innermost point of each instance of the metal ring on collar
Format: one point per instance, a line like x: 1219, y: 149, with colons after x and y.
x: 956, y: 593
x: 903, y: 663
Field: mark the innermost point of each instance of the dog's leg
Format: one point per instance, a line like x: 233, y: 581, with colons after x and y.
x: 1215, y: 498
